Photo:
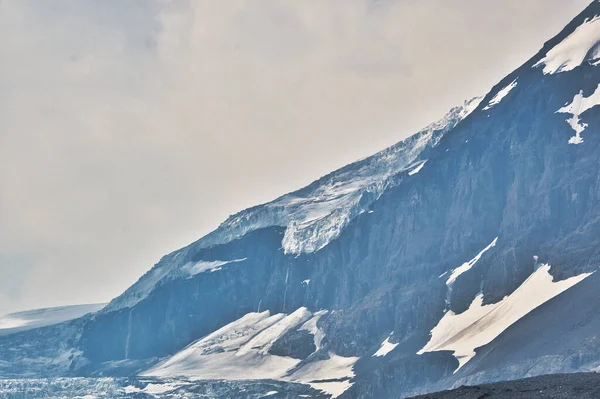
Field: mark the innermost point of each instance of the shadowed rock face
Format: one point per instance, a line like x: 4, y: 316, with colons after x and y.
x: 583, y: 386
x: 507, y: 171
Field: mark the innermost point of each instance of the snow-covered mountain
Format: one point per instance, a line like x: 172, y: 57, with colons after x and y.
x: 466, y: 253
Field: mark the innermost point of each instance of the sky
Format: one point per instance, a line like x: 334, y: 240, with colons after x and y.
x: 129, y: 129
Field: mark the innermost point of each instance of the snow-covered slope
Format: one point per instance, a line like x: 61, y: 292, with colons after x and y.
x: 481, y: 324
x: 579, y: 47
x: 241, y: 351
x: 22, y: 321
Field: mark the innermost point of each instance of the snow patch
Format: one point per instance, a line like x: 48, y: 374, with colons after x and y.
x: 336, y: 367
x: 311, y: 327
x: 500, y: 95
x: 192, y: 269
x: 386, y: 347
x: 578, y: 106
x: 576, y: 49
x: 481, y: 324
x: 417, y: 169
x: 468, y: 265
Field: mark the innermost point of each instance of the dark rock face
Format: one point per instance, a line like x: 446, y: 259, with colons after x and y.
x: 298, y: 344
x: 505, y: 172
x: 584, y: 386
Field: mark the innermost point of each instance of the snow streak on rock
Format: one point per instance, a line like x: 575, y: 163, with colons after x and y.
x: 578, y: 106
x: 465, y: 267
x: 386, y: 347
x: 501, y: 94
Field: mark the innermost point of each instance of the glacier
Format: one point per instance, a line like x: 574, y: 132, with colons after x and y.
x: 316, y: 214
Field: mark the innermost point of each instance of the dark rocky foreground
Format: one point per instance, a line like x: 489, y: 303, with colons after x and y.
x: 567, y: 386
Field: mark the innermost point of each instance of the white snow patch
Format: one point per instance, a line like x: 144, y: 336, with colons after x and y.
x: 336, y: 367
x: 500, y: 95
x: 576, y: 49
x: 578, y: 106
x: 481, y: 324
x: 386, y: 347
x: 417, y: 169
x: 270, y: 393
x: 131, y: 389
x: 159, y: 388
x: 334, y: 389
x: 192, y: 269
x: 311, y: 327
x: 152, y: 389
x: 468, y: 265
x: 31, y: 319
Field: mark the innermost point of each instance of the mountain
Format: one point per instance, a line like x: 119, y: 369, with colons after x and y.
x: 467, y: 253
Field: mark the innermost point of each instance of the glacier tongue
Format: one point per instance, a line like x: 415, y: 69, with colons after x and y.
x: 315, y: 215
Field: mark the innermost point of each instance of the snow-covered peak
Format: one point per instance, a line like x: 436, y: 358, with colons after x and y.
x: 583, y: 45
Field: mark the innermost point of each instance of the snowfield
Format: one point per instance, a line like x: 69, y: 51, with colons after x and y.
x: 386, y: 347
x: 240, y: 351
x: 581, y: 46
x: 481, y: 324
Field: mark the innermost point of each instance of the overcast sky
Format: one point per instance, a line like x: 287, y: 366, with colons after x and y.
x: 130, y: 128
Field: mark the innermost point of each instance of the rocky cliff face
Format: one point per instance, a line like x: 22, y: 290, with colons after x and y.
x: 459, y: 232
